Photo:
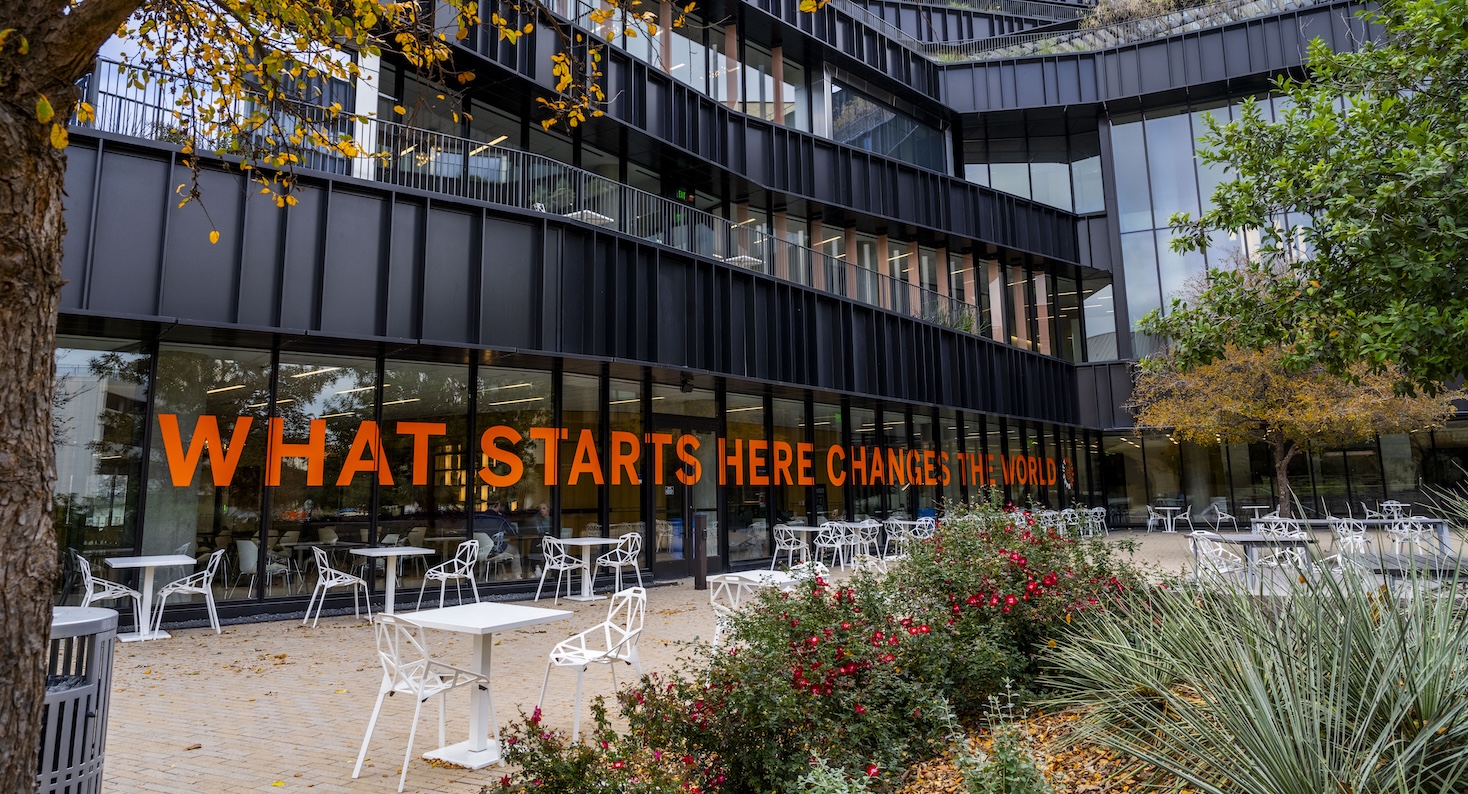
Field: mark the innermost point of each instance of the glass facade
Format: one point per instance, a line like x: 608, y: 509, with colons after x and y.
x: 1049, y: 157
x: 861, y: 120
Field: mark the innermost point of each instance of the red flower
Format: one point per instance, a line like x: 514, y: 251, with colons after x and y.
x: 923, y: 629
x: 1010, y: 600
x: 872, y: 770
x: 618, y: 764
x: 860, y: 709
x: 688, y: 759
x: 505, y: 781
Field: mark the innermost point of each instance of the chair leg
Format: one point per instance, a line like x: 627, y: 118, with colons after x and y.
x: 638, y: 569
x: 421, y: 588
x: 366, y: 599
x: 576, y: 723
x: 371, y: 725
x: 543, y: 572
x: 213, y: 612
x: 545, y: 682
x: 310, y: 603
x: 412, y: 734
x: 473, y: 586
x: 157, y: 622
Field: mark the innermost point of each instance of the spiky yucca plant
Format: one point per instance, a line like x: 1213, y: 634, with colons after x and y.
x: 1339, y: 687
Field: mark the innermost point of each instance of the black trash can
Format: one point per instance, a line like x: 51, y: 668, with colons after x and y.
x: 78, y: 690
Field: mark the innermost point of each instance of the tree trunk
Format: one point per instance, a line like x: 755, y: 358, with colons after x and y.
x: 31, y: 227
x: 1283, y: 453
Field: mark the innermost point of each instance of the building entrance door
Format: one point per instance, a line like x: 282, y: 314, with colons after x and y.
x: 685, y: 497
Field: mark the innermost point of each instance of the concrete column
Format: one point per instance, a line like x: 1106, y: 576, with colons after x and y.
x: 731, y: 65
x: 940, y: 271
x: 665, y: 35
x: 777, y: 71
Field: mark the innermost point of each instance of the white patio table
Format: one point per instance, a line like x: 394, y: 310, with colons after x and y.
x: 481, y: 621
x: 390, y: 553
x: 734, y: 588
x: 149, y: 564
x: 588, y: 573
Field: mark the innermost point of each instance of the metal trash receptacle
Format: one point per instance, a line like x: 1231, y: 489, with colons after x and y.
x: 78, y: 690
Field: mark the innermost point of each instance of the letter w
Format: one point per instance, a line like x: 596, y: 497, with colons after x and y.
x: 222, y: 461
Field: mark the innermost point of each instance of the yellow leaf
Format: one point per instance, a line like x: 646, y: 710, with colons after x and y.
x: 44, y: 112
x: 339, y: 691
x: 399, y: 109
x: 279, y: 784
x: 58, y: 136
x: 213, y: 237
x: 85, y: 113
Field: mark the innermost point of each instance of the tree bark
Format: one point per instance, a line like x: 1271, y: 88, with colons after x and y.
x: 31, y: 228
x: 1283, y: 453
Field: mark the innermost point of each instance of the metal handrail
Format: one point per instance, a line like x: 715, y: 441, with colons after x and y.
x: 1098, y: 38
x: 438, y: 162
x: 1020, y: 8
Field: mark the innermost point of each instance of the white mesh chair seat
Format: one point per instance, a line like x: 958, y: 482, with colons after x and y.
x: 627, y: 553
x: 1154, y: 519
x: 788, y: 541
x: 1350, y: 535
x: 1220, y: 517
x: 459, y: 569
x: 408, y: 669
x: 1098, y: 521
x: 328, y: 577
x: 557, y: 559
x: 95, y: 589
x: 1214, y: 561
x: 201, y: 583
x: 1185, y: 515
x: 613, y: 640
x: 494, y: 551
x: 899, y: 535
x: 1284, y: 529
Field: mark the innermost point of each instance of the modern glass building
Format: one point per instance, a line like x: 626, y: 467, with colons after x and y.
x: 858, y: 262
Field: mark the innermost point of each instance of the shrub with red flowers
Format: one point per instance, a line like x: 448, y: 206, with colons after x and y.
x: 546, y: 761
x: 996, y: 590
x: 819, y: 672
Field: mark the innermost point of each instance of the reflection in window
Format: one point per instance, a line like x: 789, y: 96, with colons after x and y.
x: 207, y: 393
x: 519, y: 399
x: 864, y: 122
x: 829, y: 499
x: 100, y: 414
x: 746, y: 485
x: 1100, y: 311
x: 624, y: 413
x: 580, y: 460
x: 792, y: 499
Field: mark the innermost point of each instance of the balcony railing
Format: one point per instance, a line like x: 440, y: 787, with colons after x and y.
x: 437, y: 162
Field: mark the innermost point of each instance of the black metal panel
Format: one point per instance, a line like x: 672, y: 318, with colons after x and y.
x: 356, y: 236
x: 1249, y: 48
x: 507, y: 316
x: 429, y: 278
x: 199, y: 277
x: 449, y: 285
x: 81, y: 190
x: 128, y: 239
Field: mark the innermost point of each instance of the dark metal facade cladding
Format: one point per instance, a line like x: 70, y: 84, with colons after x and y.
x: 1164, y: 67
x: 367, y: 264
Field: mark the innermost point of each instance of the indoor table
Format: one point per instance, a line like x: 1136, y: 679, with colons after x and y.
x: 481, y: 621
x: 149, y: 564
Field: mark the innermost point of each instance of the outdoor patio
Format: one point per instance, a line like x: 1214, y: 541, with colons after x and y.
x: 278, y: 706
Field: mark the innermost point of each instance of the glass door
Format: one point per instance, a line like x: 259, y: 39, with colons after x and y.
x: 685, y: 496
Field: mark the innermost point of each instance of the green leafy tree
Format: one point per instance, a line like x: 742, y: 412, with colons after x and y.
x: 1368, y: 155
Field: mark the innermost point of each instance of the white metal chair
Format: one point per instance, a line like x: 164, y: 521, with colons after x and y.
x: 1098, y: 521
x: 201, y: 583
x: 370, y: 566
x: 1214, y: 561
x: 494, y: 551
x: 1155, y: 519
x: 864, y: 538
x: 627, y: 553
x: 1284, y: 529
x: 328, y: 577
x: 832, y: 536
x: 611, y: 641
x: 559, y: 560
x: 898, y: 535
x: 790, y: 542
x: 811, y: 569
x: 95, y: 589
x: 1185, y: 515
x: 247, y: 552
x: 925, y: 528
x: 459, y: 568
x: 408, y: 669
x: 1219, y: 517
x: 1416, y: 535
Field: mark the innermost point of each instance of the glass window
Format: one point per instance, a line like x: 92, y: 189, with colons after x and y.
x: 580, y: 456
x: 1206, y: 483
x: 865, y: 441
x: 1009, y: 168
x: 722, y: 63
x: 898, y: 262
x: 425, y: 417
x: 1174, y: 269
x: 1125, y: 475
x: 1050, y: 171
x: 792, y: 463
x: 1067, y: 320
x: 866, y: 123
x: 519, y: 400
x: 922, y: 495
x: 626, y: 463
x: 829, y: 496
x: 326, y: 457
x: 747, y: 484
x: 1139, y: 258
x: 1209, y: 176
x: 1019, y: 305
x: 1100, y: 311
x: 950, y: 484
x: 796, y: 96
x: 100, y: 414
x: 690, y: 57
x: 1170, y: 163
x: 759, y: 82
x: 1163, y: 470
x: 1133, y: 197
x: 207, y: 473
x: 1085, y: 172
